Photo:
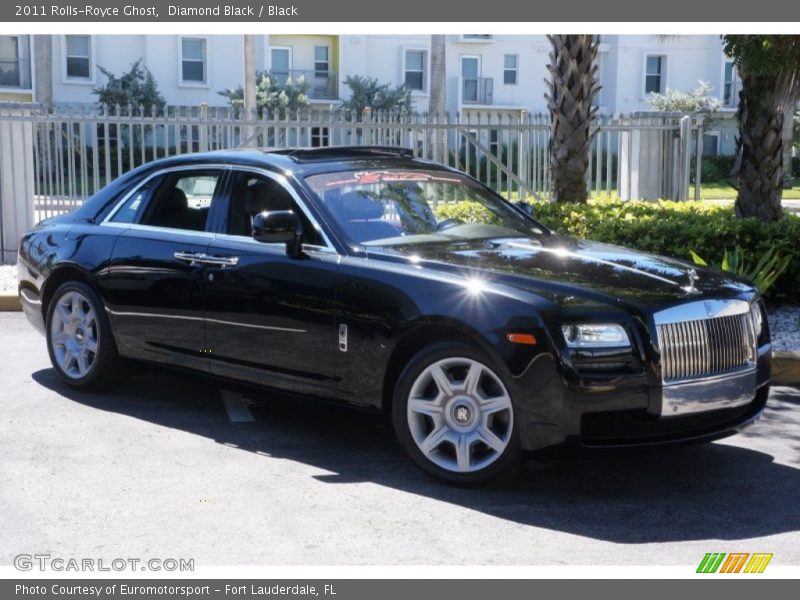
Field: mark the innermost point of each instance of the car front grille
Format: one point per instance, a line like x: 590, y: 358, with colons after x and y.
x: 704, y: 347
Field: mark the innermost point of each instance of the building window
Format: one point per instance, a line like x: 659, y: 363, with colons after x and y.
x: 193, y: 60
x: 730, y: 87
x: 494, y: 142
x: 78, y: 50
x: 415, y: 70
x: 654, y: 75
x: 711, y: 144
x: 15, y: 64
x: 322, y: 61
x: 280, y: 64
x: 320, y: 137
x: 510, y: 69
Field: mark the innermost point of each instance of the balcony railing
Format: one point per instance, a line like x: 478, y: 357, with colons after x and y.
x: 324, y: 85
x: 15, y: 74
x: 477, y: 90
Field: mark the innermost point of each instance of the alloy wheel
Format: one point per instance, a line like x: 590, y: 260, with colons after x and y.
x: 74, y: 334
x: 460, y: 415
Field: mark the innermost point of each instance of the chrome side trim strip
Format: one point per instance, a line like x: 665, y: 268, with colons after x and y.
x: 188, y: 318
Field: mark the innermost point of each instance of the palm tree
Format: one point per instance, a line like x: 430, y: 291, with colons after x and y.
x: 769, y: 66
x: 436, y: 102
x: 573, y: 85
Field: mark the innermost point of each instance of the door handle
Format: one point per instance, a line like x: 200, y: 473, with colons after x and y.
x: 190, y: 257
x: 220, y: 261
x: 205, y: 259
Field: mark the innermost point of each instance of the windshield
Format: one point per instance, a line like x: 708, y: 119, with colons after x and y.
x: 400, y: 207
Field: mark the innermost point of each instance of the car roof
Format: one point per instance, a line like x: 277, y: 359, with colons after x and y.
x: 308, y: 161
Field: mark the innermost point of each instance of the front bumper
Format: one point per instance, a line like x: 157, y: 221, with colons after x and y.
x: 559, y: 413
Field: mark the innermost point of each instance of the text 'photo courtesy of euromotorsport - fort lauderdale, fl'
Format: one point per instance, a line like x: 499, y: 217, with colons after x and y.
x: 423, y: 300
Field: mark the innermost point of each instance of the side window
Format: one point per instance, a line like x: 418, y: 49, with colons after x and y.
x: 130, y: 210
x: 183, y: 200
x: 252, y: 194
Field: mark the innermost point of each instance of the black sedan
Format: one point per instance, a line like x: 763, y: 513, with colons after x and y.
x: 343, y: 274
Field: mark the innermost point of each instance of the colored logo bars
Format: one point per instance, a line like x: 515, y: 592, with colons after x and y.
x: 735, y: 562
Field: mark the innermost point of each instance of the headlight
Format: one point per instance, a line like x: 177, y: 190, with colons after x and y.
x: 758, y: 318
x: 591, y: 335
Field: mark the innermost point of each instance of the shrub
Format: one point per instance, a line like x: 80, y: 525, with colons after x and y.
x: 672, y: 229
x: 369, y: 92
x: 714, y: 168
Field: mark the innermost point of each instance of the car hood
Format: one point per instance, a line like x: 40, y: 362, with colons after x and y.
x: 567, y: 265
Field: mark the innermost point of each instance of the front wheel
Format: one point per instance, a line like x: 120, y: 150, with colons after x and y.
x: 79, y: 339
x: 454, y: 415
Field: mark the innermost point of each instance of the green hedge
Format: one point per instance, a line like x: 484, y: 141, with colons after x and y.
x: 672, y: 229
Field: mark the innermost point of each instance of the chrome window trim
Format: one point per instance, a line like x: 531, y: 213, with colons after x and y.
x: 226, y: 168
x: 701, y: 310
x: 177, y: 168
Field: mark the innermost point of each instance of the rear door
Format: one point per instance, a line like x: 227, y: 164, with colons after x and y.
x: 270, y: 318
x: 154, y: 287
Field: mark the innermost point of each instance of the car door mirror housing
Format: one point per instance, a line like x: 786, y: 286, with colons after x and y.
x: 279, y: 226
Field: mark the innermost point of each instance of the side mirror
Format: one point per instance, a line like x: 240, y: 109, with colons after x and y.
x: 523, y: 207
x: 279, y: 226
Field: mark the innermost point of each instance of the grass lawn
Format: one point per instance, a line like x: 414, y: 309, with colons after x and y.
x: 718, y: 190
x: 724, y: 191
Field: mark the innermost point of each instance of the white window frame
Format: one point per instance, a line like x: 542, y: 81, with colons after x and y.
x: 190, y: 83
x: 426, y: 68
x: 65, y: 77
x: 31, y: 66
x: 322, y: 134
x: 515, y: 69
x: 495, y: 146
x: 329, y: 70
x: 664, y: 72
x: 736, y: 85
x: 461, y: 58
x: 714, y: 134
x: 269, y: 57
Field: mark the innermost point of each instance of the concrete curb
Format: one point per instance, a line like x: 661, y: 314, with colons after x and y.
x: 9, y: 301
x: 786, y: 368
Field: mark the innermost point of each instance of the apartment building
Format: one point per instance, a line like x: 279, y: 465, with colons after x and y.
x: 504, y: 74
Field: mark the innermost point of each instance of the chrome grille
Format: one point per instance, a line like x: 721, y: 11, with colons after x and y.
x: 692, y: 349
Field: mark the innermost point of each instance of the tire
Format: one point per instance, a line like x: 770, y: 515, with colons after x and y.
x: 453, y: 413
x: 79, y: 339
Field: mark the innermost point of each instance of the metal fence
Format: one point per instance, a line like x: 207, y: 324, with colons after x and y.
x: 66, y: 154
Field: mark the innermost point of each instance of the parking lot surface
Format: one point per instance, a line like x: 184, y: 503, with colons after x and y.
x: 177, y: 466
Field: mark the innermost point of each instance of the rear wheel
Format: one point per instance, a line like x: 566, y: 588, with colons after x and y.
x: 79, y: 340
x: 454, y: 415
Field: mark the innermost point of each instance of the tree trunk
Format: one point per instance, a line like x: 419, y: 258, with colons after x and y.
x: 760, y: 149
x: 436, y: 102
x: 250, y: 83
x: 573, y: 86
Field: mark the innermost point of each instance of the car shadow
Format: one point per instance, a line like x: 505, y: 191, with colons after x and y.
x: 711, y: 491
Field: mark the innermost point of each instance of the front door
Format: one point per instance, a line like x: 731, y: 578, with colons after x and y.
x: 154, y: 283
x: 269, y: 317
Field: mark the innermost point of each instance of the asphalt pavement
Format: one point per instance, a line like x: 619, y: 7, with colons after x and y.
x: 176, y: 466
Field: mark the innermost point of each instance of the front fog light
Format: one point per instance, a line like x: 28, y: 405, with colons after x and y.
x: 758, y: 319
x: 590, y: 335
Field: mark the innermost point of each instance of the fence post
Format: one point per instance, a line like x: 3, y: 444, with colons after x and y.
x: 203, y: 127
x: 685, y: 155
x: 698, y: 165
x: 16, y: 179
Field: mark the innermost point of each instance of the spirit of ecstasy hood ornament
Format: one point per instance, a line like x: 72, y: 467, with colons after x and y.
x: 693, y: 277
